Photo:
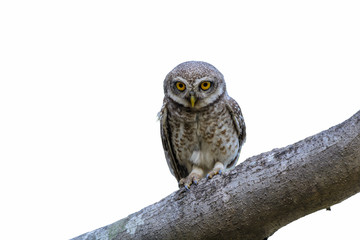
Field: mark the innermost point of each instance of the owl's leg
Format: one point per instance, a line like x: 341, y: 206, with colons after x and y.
x: 218, y: 168
x: 194, y: 177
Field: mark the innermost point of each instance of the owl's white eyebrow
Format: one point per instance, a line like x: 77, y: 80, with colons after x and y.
x: 180, y: 78
x: 197, y: 81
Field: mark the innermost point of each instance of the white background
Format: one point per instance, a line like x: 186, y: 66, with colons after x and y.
x: 81, y: 84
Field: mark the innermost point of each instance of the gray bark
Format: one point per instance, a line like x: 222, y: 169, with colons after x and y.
x: 258, y: 197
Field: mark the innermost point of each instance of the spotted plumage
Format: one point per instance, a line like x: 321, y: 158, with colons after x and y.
x: 202, y: 127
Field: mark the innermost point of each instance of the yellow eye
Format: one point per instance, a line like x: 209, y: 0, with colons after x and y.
x: 180, y: 86
x: 205, y: 85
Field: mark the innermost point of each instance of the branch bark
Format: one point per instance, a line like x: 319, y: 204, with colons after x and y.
x: 258, y: 197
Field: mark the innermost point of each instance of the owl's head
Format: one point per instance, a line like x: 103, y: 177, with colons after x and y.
x: 194, y: 84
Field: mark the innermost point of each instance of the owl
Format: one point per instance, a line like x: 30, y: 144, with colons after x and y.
x: 202, y: 127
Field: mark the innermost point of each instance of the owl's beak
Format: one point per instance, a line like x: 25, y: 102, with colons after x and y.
x: 192, y: 100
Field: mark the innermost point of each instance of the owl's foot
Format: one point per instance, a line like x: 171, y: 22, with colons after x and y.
x: 189, y: 180
x: 213, y: 172
x: 218, y: 168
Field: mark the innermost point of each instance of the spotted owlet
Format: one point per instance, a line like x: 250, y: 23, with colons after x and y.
x: 202, y: 127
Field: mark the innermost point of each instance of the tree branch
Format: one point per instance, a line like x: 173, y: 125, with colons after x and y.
x: 258, y: 197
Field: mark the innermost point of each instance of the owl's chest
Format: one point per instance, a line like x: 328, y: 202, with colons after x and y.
x: 203, y: 137
x: 192, y: 129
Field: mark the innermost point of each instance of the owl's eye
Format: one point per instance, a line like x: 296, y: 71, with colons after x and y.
x: 180, y: 86
x: 205, y: 85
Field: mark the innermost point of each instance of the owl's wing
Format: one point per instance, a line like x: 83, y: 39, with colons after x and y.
x: 238, y: 119
x: 176, y: 169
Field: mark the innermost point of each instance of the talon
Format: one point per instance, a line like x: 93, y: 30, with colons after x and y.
x: 192, y: 178
x: 212, y: 173
x: 218, y: 168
